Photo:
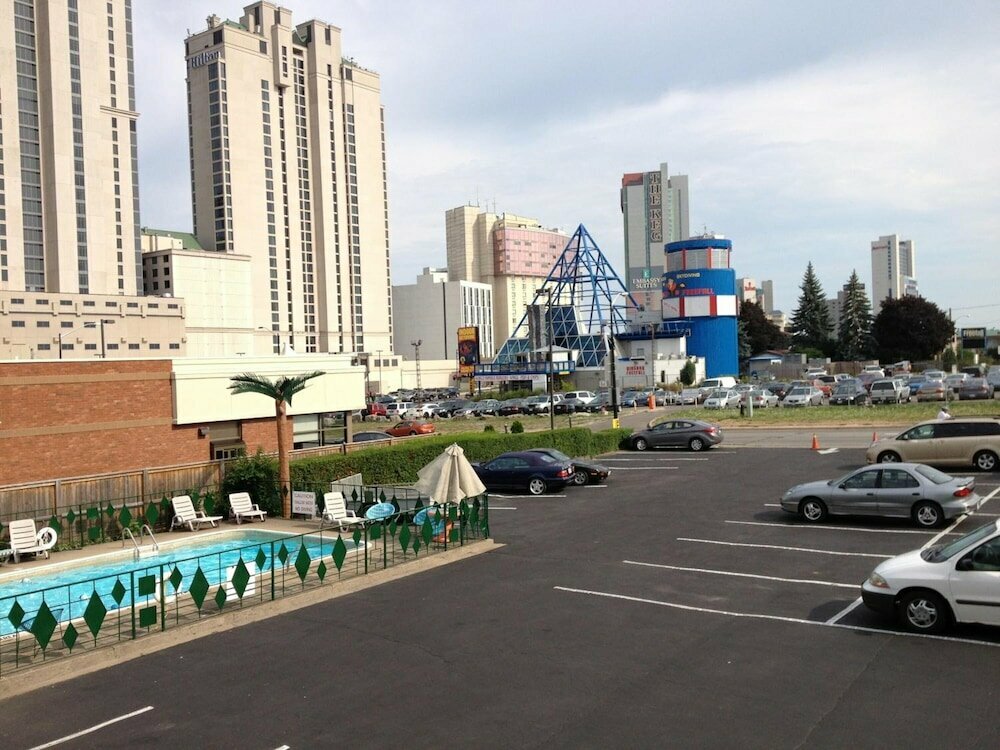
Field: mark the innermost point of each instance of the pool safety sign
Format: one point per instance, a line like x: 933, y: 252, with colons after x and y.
x: 304, y: 503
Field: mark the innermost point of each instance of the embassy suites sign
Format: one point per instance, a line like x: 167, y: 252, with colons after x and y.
x: 204, y: 58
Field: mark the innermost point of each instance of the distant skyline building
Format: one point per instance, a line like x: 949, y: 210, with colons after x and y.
x: 654, y: 212
x: 434, y: 308
x: 894, y: 270
x: 288, y: 167
x: 835, y: 306
x: 69, y: 194
x: 512, y: 254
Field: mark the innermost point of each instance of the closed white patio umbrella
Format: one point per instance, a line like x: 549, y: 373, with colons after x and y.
x: 449, y: 478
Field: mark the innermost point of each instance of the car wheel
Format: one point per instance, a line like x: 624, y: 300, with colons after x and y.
x: 927, y: 514
x: 580, y: 477
x: 640, y: 444
x: 889, y: 457
x: 986, y: 461
x: 813, y: 509
x: 923, y: 612
x: 412, y: 433
x: 696, y: 444
x: 536, y: 486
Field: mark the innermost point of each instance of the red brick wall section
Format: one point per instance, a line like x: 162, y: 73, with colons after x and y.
x: 258, y: 433
x: 102, y: 399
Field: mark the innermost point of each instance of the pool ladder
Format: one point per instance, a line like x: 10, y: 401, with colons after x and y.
x: 155, y: 546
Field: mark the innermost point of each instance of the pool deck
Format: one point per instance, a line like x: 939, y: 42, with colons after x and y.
x: 35, y: 564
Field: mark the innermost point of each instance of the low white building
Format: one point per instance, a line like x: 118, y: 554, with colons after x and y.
x: 433, y: 309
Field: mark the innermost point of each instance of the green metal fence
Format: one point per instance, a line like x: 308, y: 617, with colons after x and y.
x: 167, y: 591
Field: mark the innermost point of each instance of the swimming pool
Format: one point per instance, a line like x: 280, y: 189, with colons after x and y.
x: 69, y: 588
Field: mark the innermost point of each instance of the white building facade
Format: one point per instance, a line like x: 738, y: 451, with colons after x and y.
x: 894, y: 270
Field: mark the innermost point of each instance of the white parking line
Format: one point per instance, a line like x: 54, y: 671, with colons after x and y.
x: 92, y: 729
x: 651, y: 458
x: 517, y: 497
x: 799, y: 526
x: 502, y: 507
x: 790, y: 549
x: 828, y: 451
x: 647, y: 468
x: 595, y: 486
x: 775, y: 618
x: 846, y: 610
x: 742, y: 575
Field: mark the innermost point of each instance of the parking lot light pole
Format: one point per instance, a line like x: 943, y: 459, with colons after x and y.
x: 552, y: 374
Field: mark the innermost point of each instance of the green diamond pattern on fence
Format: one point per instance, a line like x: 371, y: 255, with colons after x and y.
x: 94, y: 614
x: 354, y: 494
x: 220, y: 597
x: 453, y: 512
x: 147, y: 617
x: 260, y: 559
x: 474, y: 515
x: 70, y: 516
x: 321, y: 570
x: 118, y: 592
x: 94, y: 533
x: 381, y: 496
x: 198, y: 588
x: 453, y: 535
x: 175, y: 579
x: 16, y: 615
x: 92, y: 513
x: 152, y: 514
x: 416, y: 545
x: 419, y: 506
x: 164, y: 505
x: 375, y: 531
x: 208, y: 504
x: 302, y: 562
x: 55, y: 524
x: 44, y: 626
x: 392, y: 527
x: 241, y: 577
x: 339, y: 552
x: 125, y: 517
x: 69, y: 636
x: 404, y: 536
x: 110, y: 510
x: 357, y: 537
x: 426, y: 531
x: 282, y: 553
x: 147, y: 585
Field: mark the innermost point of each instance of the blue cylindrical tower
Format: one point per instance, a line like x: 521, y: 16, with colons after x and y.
x: 700, y: 286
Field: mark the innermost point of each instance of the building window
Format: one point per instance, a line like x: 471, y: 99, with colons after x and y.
x: 44, y: 347
x: 133, y: 346
x: 88, y: 303
x: 175, y: 346
x: 112, y: 346
x: 154, y: 346
x: 42, y: 324
x: 90, y: 347
x: 17, y: 324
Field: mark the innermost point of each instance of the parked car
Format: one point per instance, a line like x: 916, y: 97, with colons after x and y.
x: 601, y: 402
x: 692, y: 396
x: 849, y: 393
x: 524, y: 470
x: 904, y: 490
x: 803, y: 396
x: 889, y: 391
x: 396, y: 409
x: 929, y: 589
x: 406, y: 428
x: 779, y: 389
x: 426, y: 411
x: 631, y: 398
x: 955, y: 380
x: 511, y: 406
x: 542, y: 404
x: 932, y: 390
x: 934, y: 374
x: 762, y: 398
x: 993, y: 377
x: 369, y: 435
x: 875, y: 370
x: 975, y: 388
x: 664, y: 397
x: 374, y: 409
x: 580, y: 396
x: 722, y: 399
x: 584, y: 472
x: 677, y: 433
x: 488, y: 407
x: 963, y: 441
x: 568, y: 406
x: 448, y: 408
x: 867, y: 378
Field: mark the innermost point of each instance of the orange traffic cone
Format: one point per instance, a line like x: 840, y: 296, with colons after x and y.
x: 815, y: 445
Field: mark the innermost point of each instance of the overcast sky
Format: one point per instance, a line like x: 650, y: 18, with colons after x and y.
x: 807, y: 129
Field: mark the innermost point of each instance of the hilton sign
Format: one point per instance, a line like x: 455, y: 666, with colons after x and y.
x: 204, y: 58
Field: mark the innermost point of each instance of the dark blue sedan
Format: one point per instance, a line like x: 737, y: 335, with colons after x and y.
x: 525, y: 470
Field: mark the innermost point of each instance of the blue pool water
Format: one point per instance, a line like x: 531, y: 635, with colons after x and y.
x: 70, y: 589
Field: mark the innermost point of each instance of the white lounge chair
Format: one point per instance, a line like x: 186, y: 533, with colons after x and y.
x: 24, y: 539
x: 186, y: 515
x: 243, y: 507
x: 335, y: 511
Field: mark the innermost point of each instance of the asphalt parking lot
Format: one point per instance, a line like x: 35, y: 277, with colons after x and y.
x: 675, y: 607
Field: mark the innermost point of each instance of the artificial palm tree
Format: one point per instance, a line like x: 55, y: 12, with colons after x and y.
x: 281, y: 390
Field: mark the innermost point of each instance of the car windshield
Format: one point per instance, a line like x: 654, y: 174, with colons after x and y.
x: 929, y: 472
x: 799, y: 392
x: 941, y: 552
x: 720, y: 393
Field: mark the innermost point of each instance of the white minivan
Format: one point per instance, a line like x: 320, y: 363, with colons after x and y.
x: 929, y: 589
x: 713, y: 384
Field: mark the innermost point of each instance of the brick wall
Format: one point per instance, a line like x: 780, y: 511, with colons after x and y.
x: 261, y: 433
x: 70, y: 418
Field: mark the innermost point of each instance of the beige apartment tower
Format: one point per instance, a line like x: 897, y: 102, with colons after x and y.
x: 287, y: 143
x: 69, y: 198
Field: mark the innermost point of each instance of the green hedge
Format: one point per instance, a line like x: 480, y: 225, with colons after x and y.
x: 398, y: 464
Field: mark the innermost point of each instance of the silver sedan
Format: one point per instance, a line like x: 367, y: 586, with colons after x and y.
x: 904, y: 490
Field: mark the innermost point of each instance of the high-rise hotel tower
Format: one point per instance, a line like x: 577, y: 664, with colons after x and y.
x: 288, y: 166
x: 69, y: 196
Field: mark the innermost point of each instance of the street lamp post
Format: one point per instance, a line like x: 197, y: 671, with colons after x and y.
x: 416, y: 351
x: 379, y: 353
x: 90, y: 324
x: 551, y: 367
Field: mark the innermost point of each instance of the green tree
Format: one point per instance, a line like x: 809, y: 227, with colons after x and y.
x: 948, y: 359
x: 810, y: 325
x: 854, y: 337
x: 762, y: 335
x: 743, y: 350
x: 281, y: 390
x: 911, y: 328
x: 688, y: 373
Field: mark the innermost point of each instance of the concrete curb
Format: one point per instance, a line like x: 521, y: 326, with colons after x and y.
x: 47, y: 675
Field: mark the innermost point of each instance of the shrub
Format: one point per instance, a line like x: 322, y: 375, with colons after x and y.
x: 489, y: 428
x: 256, y: 474
x: 516, y: 427
x: 688, y: 373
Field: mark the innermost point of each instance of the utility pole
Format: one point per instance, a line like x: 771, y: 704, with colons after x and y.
x: 551, y: 365
x: 416, y: 349
x: 614, y: 377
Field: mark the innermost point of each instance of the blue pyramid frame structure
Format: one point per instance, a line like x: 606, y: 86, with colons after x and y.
x: 582, y: 287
